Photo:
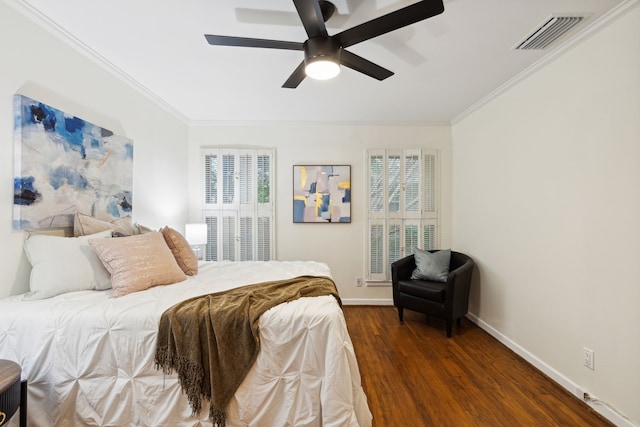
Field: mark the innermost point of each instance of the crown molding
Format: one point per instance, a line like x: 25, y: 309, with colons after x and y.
x: 617, y: 12
x: 292, y: 123
x: 69, y: 39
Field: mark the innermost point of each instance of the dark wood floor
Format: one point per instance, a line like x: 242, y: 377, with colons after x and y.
x: 415, y: 376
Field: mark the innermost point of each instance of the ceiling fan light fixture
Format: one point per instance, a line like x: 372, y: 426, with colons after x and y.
x: 321, y: 58
x: 322, y: 68
x: 324, y: 54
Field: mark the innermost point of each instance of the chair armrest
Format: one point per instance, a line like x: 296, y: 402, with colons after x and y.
x: 462, y: 273
x: 458, y: 287
x: 402, y: 269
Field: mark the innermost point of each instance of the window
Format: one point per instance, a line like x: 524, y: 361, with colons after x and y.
x: 238, y: 204
x: 402, y: 207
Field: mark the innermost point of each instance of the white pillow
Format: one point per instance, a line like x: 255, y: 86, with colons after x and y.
x: 64, y: 264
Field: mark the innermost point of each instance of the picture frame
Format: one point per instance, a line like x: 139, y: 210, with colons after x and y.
x: 322, y: 193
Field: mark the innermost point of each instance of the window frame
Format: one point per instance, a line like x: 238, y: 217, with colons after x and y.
x: 232, y: 221
x: 380, y: 255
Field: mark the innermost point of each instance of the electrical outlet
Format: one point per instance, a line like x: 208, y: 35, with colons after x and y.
x: 580, y: 392
x: 358, y: 281
x: 588, y: 356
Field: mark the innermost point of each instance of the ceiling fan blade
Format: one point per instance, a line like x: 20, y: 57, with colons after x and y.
x: 364, y: 66
x: 249, y: 42
x: 390, y: 22
x: 311, y: 17
x: 296, y: 77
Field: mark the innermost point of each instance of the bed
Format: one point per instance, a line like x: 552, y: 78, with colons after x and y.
x: 89, y: 357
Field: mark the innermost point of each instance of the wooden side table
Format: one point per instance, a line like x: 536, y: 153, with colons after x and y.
x: 13, y: 393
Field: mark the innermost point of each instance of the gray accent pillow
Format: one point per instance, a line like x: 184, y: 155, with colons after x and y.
x: 432, y: 266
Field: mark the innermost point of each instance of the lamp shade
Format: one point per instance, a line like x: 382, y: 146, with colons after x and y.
x: 196, y: 234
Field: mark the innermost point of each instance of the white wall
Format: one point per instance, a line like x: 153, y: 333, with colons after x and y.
x: 35, y: 63
x: 340, y: 245
x: 546, y: 198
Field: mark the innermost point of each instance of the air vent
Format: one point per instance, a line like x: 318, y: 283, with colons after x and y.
x: 549, y: 32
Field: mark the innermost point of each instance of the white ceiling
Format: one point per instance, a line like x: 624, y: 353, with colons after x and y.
x: 443, y: 66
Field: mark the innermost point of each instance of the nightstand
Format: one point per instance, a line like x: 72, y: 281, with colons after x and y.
x: 13, y: 393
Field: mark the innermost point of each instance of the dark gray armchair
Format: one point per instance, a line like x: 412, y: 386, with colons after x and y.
x: 447, y: 300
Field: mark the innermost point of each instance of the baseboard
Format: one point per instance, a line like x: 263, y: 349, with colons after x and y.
x: 600, y: 407
x: 365, y: 301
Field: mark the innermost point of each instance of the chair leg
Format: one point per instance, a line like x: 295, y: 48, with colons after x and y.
x: 449, y: 328
x: 458, y: 321
x: 400, y: 313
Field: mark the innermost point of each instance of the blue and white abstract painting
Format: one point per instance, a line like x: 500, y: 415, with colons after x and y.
x: 65, y: 164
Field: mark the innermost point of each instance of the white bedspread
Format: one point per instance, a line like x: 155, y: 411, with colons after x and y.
x: 88, y: 357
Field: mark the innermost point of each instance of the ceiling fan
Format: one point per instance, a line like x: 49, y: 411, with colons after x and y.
x: 323, y: 54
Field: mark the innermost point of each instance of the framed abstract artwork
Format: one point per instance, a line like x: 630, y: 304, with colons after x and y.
x: 65, y: 164
x: 321, y: 193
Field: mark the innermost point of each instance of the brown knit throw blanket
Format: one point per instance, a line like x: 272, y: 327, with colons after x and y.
x: 212, y: 341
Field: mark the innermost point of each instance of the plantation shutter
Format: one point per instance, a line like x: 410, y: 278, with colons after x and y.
x: 246, y: 238
x: 228, y: 237
x: 211, y: 248
x: 394, y: 242
x: 393, y: 184
x: 264, y: 239
x: 376, y: 248
x: 402, y: 207
x: 239, y: 212
x: 211, y: 178
x: 228, y: 179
